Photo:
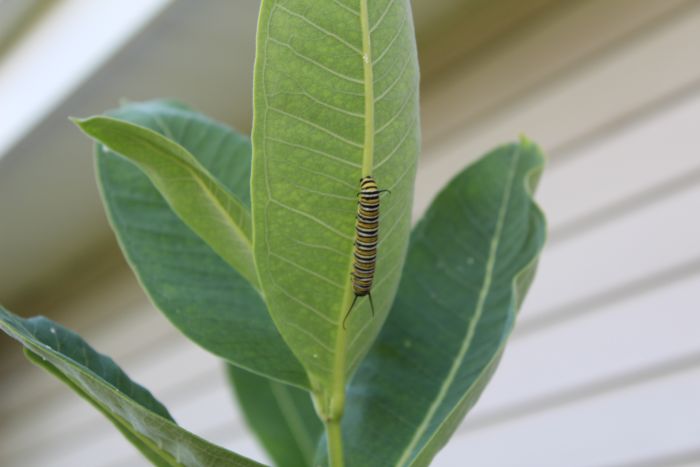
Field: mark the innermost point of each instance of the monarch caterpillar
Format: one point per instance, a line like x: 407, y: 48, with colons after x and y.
x: 366, y: 238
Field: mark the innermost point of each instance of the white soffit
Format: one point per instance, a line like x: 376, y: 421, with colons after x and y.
x: 200, y: 52
x: 67, y: 44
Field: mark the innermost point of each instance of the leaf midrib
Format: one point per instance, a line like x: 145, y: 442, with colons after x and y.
x: 471, y: 328
x: 214, y: 192
x: 368, y: 150
x: 340, y: 360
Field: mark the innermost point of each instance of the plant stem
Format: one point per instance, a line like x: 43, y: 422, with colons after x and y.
x: 335, y: 443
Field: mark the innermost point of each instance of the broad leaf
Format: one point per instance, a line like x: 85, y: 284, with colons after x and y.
x: 282, y: 417
x: 335, y: 96
x: 200, y: 293
x: 134, y: 411
x: 200, y: 200
x: 470, y: 262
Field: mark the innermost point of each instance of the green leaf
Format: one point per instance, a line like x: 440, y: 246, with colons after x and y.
x: 135, y: 412
x: 335, y: 97
x: 282, y: 417
x: 200, y: 293
x: 200, y: 200
x: 470, y: 262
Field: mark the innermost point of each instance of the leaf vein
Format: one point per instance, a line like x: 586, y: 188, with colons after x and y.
x: 388, y: 157
x: 403, y: 175
x: 389, y: 4
x: 312, y: 218
x: 311, y: 335
x: 315, y: 62
x: 346, y: 8
x: 396, y: 81
x: 409, y: 96
x: 317, y: 126
x: 300, y: 301
x: 344, y: 254
x: 323, y: 193
x: 329, y: 177
x: 388, y: 47
x: 335, y: 108
x: 306, y: 270
x: 320, y: 28
x: 314, y: 151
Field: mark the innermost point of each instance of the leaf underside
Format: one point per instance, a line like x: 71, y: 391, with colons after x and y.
x: 310, y: 93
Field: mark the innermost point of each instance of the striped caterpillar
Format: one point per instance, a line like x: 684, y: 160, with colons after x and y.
x: 366, y: 238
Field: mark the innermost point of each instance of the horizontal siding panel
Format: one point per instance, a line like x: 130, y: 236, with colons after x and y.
x: 642, y: 422
x: 624, y: 81
x: 626, y: 164
x: 66, y: 441
x: 80, y: 451
x: 632, y: 247
x: 643, y: 331
x: 534, y: 52
x: 209, y: 407
x: 49, y: 423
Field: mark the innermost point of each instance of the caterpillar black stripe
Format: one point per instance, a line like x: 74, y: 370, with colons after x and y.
x: 366, y: 238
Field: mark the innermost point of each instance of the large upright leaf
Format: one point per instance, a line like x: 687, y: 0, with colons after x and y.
x: 282, y: 417
x: 470, y: 262
x: 134, y: 411
x: 199, y: 292
x: 335, y: 98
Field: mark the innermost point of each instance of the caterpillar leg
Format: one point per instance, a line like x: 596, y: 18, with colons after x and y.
x: 349, y: 310
x: 371, y: 307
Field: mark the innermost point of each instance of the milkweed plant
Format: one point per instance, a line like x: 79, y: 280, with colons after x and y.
x: 351, y: 336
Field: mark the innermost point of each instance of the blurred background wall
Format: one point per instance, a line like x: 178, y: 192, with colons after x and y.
x: 604, y: 366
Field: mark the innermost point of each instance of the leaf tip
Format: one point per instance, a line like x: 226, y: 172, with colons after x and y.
x: 524, y: 140
x: 528, y: 144
x: 82, y: 123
